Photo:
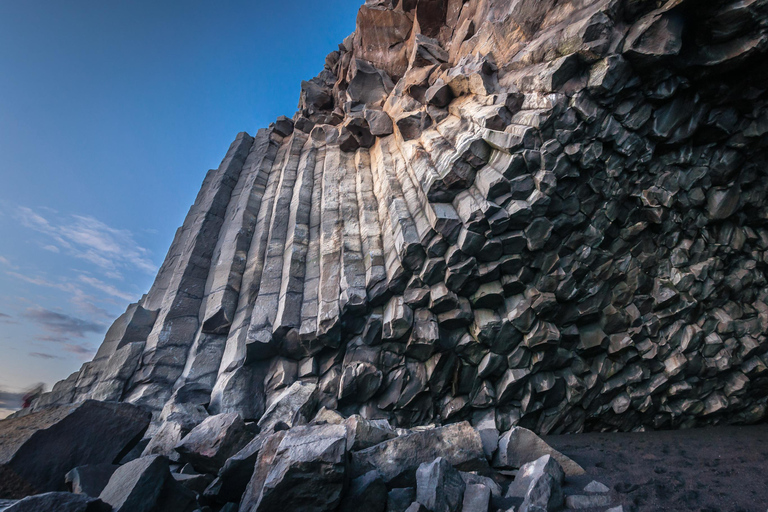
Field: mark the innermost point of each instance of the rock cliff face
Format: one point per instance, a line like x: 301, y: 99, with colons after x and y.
x: 545, y: 213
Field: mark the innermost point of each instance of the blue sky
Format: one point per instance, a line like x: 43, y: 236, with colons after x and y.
x: 110, y: 115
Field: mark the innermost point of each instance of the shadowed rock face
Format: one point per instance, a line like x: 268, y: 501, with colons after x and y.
x: 37, y: 450
x: 552, y: 211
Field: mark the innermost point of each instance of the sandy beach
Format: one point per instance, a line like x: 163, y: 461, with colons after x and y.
x: 718, y: 469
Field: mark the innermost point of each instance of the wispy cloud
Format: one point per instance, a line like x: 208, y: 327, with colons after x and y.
x: 84, y: 302
x: 6, y: 262
x: 7, y: 319
x: 90, y: 239
x: 106, y: 288
x: 44, y: 355
x: 83, y: 351
x: 42, y: 281
x: 62, y: 325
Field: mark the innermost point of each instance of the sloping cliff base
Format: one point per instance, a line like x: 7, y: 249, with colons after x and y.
x: 353, y: 464
x: 507, y: 218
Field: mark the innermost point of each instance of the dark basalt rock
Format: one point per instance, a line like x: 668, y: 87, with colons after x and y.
x: 366, y: 493
x: 398, y: 459
x: 59, y: 502
x: 439, y: 486
x: 91, y: 479
x: 305, y: 470
x: 208, y: 446
x: 38, y: 449
x: 145, y: 485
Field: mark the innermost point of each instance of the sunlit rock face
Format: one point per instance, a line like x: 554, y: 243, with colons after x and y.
x: 552, y: 212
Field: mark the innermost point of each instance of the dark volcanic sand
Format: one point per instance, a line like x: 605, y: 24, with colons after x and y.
x: 719, y: 469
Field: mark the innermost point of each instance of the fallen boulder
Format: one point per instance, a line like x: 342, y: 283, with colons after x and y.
x: 366, y: 493
x: 146, y: 485
x: 398, y: 459
x: 38, y: 449
x: 236, y: 472
x: 519, y: 446
x: 540, y: 484
x: 294, y: 406
x: 208, y: 446
x: 59, y: 502
x: 439, y: 486
x: 303, y: 469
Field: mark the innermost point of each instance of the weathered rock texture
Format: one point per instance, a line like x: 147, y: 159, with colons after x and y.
x: 552, y: 212
x: 38, y: 450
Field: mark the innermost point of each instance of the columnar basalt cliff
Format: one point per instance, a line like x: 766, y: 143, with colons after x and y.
x: 541, y: 213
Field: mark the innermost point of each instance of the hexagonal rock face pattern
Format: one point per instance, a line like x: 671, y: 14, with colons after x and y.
x: 552, y: 210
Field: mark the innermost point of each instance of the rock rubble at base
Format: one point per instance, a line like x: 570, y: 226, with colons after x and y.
x: 324, y: 463
x: 38, y: 450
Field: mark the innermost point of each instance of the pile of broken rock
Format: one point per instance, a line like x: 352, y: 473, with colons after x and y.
x: 284, y: 462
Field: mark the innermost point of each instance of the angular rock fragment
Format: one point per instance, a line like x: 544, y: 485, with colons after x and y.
x: 439, y: 486
x: 365, y: 493
x: 40, y: 448
x: 294, y: 406
x: 145, y: 484
x: 59, y: 502
x: 397, y: 459
x: 518, y: 446
x: 304, y: 469
x: 543, y: 479
x: 476, y: 498
x: 208, y: 446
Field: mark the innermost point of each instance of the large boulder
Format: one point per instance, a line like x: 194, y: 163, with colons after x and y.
x: 519, y: 446
x: 398, y: 459
x: 146, y: 485
x: 366, y: 493
x: 439, y: 486
x: 236, y: 472
x: 303, y: 469
x: 208, y: 446
x: 38, y: 449
x: 539, y: 484
x: 294, y: 406
x: 58, y: 502
x: 363, y: 433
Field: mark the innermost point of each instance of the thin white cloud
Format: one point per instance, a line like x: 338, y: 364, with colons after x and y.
x: 84, y: 302
x: 107, y: 288
x: 41, y: 281
x: 92, y: 240
x: 51, y: 248
x: 7, y: 263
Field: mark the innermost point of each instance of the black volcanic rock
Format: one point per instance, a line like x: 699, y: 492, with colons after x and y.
x: 59, y: 502
x: 38, y: 449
